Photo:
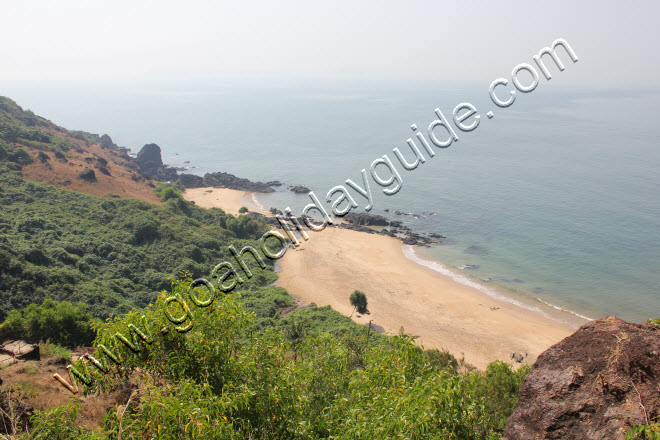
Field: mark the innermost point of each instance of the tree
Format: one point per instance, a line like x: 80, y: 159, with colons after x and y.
x: 359, y: 302
x: 242, y: 210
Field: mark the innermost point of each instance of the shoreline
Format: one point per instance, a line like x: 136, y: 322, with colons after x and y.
x: 402, y: 293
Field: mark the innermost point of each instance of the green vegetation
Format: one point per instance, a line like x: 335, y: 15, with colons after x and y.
x: 19, y: 127
x: 111, y: 255
x: 645, y: 432
x: 60, y: 322
x: 359, y: 302
x: 50, y: 350
x: 226, y: 379
x: 242, y: 210
x: 654, y: 321
x: 249, y: 366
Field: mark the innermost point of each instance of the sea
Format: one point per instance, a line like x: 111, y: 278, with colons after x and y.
x: 553, y: 204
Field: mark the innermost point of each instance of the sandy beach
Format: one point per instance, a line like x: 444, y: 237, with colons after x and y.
x: 229, y: 200
x: 443, y: 313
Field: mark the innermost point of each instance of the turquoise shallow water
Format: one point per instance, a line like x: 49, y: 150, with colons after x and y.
x: 554, y: 199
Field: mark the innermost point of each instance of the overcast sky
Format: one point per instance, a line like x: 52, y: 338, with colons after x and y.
x: 54, y: 41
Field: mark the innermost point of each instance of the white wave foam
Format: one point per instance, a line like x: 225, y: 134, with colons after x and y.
x: 409, y: 252
x: 565, y: 310
x: 256, y: 202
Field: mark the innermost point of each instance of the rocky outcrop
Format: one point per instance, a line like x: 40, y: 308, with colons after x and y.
x: 151, y: 164
x: 593, y: 385
x: 149, y: 157
x: 364, y: 219
x: 106, y: 142
x: 299, y: 189
x: 226, y: 180
x: 191, y: 180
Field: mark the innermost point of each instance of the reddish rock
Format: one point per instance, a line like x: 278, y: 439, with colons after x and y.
x: 595, y: 384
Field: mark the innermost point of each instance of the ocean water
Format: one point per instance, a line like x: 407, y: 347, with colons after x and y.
x: 552, y: 204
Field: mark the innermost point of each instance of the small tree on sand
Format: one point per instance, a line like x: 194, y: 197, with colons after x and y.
x: 359, y: 302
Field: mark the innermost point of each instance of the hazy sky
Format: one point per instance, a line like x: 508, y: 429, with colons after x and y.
x: 53, y: 41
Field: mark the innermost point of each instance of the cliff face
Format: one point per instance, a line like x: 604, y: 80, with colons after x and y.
x: 595, y: 384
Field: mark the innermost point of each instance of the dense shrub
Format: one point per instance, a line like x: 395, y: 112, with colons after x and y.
x: 109, y: 254
x: 223, y: 378
x: 60, y: 322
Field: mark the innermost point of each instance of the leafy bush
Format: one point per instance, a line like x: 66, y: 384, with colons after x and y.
x: 645, y: 432
x: 220, y: 377
x: 109, y: 254
x: 60, y: 322
x: 88, y: 175
x: 242, y: 210
x: 359, y: 302
x: 50, y: 350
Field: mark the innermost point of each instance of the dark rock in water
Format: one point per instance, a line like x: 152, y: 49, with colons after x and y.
x: 364, y: 219
x: 387, y: 210
x: 88, y: 175
x: 276, y: 211
x: 476, y: 250
x: 417, y: 216
x: 299, y: 189
x: 191, y: 180
x: 151, y: 164
x: 469, y: 266
x: 538, y: 290
x: 149, y: 157
x: 274, y: 183
x: 593, y: 385
x: 226, y: 180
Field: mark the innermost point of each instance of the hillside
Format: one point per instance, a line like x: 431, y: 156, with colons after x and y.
x: 54, y: 155
x: 89, y: 261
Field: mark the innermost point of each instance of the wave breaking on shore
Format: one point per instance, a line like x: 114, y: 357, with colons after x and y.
x: 409, y: 252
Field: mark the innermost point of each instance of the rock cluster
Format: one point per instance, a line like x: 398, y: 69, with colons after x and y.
x: 226, y: 180
x: 364, y: 219
x: 151, y: 164
x: 299, y: 189
x: 593, y: 385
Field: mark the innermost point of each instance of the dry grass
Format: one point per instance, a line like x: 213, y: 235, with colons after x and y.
x: 63, y: 174
x: 34, y: 382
